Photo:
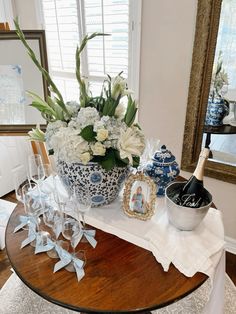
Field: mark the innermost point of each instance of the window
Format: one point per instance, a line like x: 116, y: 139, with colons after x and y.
x: 67, y: 21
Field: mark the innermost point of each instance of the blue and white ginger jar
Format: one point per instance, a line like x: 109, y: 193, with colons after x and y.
x: 216, y: 111
x: 163, y: 169
x: 101, y: 185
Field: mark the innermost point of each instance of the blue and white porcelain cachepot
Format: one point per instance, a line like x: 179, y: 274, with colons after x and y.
x: 163, y: 169
x: 216, y: 111
x: 102, y: 186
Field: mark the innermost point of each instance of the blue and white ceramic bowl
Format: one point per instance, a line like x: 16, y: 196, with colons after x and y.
x: 163, y: 170
x: 102, y: 186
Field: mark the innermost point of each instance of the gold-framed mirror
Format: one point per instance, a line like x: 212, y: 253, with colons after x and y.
x: 197, y: 131
x: 18, y: 74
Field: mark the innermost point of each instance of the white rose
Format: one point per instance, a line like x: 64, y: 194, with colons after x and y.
x: 102, y: 134
x: 131, y: 143
x: 85, y: 158
x: 98, y: 149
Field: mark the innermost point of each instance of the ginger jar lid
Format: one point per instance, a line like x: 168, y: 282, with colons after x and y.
x: 163, y: 156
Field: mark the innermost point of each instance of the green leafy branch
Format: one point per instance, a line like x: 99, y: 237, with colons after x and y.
x: 130, y: 112
x: 84, y: 97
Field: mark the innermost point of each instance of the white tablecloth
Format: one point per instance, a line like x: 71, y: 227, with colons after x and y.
x: 189, y: 251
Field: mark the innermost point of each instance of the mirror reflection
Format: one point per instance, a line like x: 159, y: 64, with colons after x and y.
x: 220, y: 122
x: 17, y: 76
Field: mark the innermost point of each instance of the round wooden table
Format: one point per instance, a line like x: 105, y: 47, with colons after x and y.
x: 119, y: 277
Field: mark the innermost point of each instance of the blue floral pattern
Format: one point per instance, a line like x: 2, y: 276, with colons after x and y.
x: 103, y: 186
x: 163, y: 169
x: 216, y: 111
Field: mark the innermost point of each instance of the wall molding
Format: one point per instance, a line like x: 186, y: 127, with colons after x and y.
x: 230, y: 245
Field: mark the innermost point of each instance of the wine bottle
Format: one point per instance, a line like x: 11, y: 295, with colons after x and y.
x: 191, y: 194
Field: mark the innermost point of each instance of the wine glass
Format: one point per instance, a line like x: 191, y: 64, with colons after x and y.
x: 19, y: 180
x: 81, y: 206
x: 70, y: 228
x: 60, y: 199
x: 33, y: 208
x: 53, y: 218
x: 36, y: 169
x: 84, y: 205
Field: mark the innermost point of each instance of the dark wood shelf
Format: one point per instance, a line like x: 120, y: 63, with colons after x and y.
x: 223, y: 129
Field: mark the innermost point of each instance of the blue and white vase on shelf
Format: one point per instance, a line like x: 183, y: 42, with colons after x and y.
x: 163, y: 169
x: 102, y: 186
x: 216, y: 111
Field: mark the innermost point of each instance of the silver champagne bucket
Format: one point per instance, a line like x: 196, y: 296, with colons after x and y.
x: 185, y: 218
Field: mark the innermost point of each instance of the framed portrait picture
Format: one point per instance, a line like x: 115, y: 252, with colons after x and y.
x: 139, y: 196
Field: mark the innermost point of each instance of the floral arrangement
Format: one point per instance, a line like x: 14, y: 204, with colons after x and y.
x: 98, y: 129
x: 219, y: 78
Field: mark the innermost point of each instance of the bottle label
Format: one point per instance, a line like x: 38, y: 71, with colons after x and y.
x: 189, y: 200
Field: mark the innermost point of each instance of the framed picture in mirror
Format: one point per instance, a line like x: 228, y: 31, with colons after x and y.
x: 18, y: 74
x: 139, y: 196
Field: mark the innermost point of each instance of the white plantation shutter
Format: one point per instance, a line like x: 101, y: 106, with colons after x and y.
x: 67, y: 21
x: 108, y: 54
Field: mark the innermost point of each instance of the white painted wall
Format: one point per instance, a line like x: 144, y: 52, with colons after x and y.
x: 26, y: 10
x: 168, y: 28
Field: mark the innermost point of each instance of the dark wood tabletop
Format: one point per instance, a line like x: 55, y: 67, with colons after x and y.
x: 120, y: 277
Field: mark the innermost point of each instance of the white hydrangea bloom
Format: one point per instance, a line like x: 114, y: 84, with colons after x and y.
x: 87, y: 116
x: 98, y: 125
x: 113, y: 126
x: 52, y: 128
x: 73, y: 107
x: 68, y: 145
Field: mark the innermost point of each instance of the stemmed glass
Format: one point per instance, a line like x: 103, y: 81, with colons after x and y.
x: 53, y: 218
x: 31, y: 207
x: 81, y: 206
x: 36, y: 169
x: 70, y: 228
x: 84, y: 205
x: 19, y: 179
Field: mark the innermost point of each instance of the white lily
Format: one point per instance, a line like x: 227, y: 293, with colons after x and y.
x: 37, y: 134
x: 131, y: 143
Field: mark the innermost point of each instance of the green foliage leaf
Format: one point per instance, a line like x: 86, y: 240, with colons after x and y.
x: 137, y: 126
x: 88, y: 134
x: 109, y: 107
x: 57, y: 109
x: 136, y: 161
x: 120, y: 162
x: 84, y: 98
x: 108, y: 161
x: 130, y: 112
